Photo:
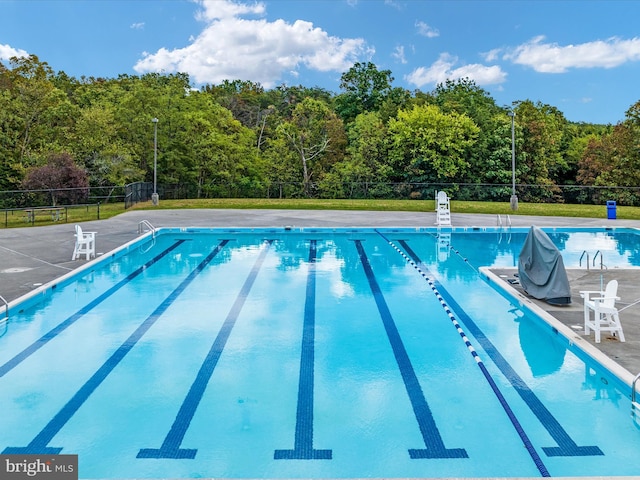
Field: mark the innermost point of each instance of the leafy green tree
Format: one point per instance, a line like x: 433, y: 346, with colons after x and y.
x: 95, y: 140
x: 136, y: 101
x: 285, y: 98
x: 10, y: 171
x: 486, y: 159
x: 596, y: 160
x: 491, y: 160
x: 632, y: 115
x: 282, y: 171
x: 543, y: 129
x: 577, y: 138
x: 365, y: 169
x: 614, y: 159
x: 238, y: 138
x: 37, y: 114
x: 33, y: 95
x: 463, y: 96
x: 365, y: 89
x: 428, y: 145
x: 316, y: 135
x: 244, y: 99
x: 281, y: 103
x: 397, y: 99
x: 217, y: 150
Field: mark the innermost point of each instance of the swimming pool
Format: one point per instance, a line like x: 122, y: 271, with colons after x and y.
x: 306, y: 353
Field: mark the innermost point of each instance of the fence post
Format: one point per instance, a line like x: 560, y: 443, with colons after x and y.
x: 98, y: 210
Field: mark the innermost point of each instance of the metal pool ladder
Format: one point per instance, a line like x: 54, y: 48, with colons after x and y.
x: 145, y: 226
x: 602, y: 265
x: 635, y: 405
x: 506, y: 224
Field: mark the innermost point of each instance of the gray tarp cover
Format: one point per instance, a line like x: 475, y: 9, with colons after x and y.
x: 541, y: 269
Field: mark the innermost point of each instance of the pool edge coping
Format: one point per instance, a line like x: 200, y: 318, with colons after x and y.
x: 573, y: 338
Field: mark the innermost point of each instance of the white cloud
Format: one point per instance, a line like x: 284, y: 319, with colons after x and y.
x: 427, y: 31
x: 398, y: 54
x: 492, y: 55
x: 394, y: 4
x: 137, y: 26
x: 231, y: 47
x: 6, y: 52
x: 222, y: 9
x: 443, y: 69
x: 553, y: 58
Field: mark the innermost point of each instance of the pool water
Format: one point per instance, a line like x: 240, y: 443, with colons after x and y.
x: 311, y: 353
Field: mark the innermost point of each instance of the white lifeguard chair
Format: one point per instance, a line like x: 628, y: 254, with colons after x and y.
x: 605, y: 313
x: 85, y: 244
x: 443, y: 209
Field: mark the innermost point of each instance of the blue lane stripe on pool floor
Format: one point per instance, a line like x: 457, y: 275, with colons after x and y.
x: 303, y: 442
x: 170, y: 447
x: 434, y: 444
x: 567, y: 447
x: 51, y: 334
x: 542, y: 468
x: 39, y: 444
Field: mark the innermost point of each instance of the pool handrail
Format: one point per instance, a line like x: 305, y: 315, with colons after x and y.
x: 602, y: 265
x: 4, y: 322
x: 504, y: 225
x: 635, y: 405
x: 584, y: 252
x: 149, y: 227
x: 6, y: 309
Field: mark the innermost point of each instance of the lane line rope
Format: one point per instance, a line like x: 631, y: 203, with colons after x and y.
x: 523, y: 436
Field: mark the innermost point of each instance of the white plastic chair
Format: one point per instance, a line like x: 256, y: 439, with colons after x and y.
x: 85, y: 244
x: 605, y: 313
x: 443, y: 209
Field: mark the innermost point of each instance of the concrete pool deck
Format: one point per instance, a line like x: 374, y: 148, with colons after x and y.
x: 33, y: 256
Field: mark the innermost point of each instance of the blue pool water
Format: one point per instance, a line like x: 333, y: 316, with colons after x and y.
x: 311, y: 353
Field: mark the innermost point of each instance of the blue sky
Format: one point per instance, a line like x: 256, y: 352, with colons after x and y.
x: 582, y: 57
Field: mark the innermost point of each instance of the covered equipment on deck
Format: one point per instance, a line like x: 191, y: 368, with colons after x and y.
x: 541, y: 269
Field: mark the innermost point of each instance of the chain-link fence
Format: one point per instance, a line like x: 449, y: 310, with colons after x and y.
x: 61, y: 196
x: 43, y: 207
x: 137, y: 192
x: 570, y: 194
x: 142, y: 191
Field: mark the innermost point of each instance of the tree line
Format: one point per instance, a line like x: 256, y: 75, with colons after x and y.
x: 238, y: 139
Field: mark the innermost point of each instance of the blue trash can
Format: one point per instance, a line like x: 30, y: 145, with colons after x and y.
x: 611, y: 210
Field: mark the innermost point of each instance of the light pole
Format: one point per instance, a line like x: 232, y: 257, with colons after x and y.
x: 514, y: 197
x: 154, y: 196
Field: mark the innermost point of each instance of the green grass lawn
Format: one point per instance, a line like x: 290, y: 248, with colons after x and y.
x: 502, y: 208
x: 86, y: 213
x: 17, y: 217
